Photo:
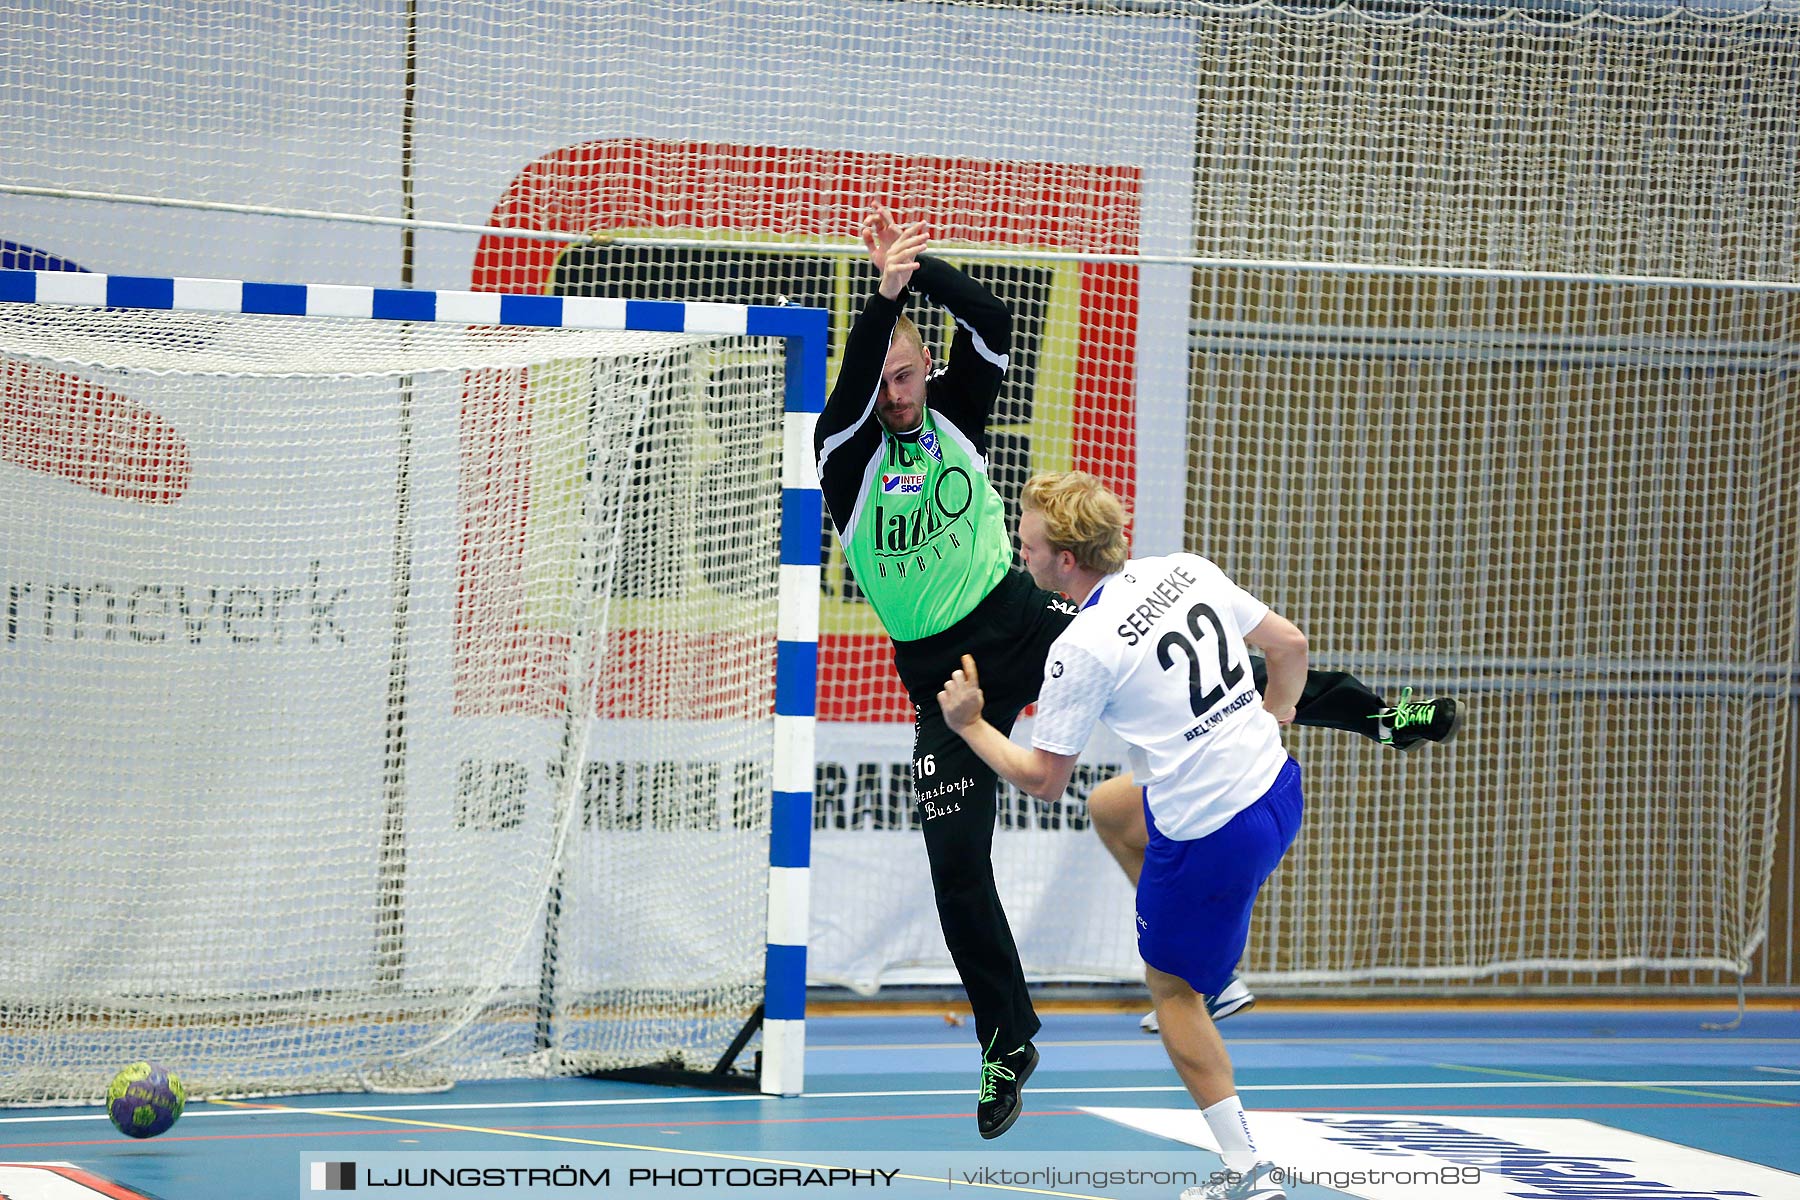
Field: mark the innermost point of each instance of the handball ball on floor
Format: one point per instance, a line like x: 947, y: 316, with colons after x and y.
x: 145, y: 1099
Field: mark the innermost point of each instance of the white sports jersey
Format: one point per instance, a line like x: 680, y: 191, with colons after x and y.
x: 1157, y: 653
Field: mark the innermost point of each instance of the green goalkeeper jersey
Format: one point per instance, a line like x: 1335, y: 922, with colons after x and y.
x: 931, y: 540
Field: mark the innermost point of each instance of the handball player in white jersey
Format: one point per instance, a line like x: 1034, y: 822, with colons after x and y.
x: 1159, y: 653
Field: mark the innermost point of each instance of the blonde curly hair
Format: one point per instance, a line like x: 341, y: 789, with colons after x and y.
x: 1081, y: 515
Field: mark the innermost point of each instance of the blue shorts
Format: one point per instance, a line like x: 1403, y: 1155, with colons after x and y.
x: 1194, y: 897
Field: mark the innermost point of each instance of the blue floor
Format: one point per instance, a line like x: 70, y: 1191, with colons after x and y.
x: 898, y: 1091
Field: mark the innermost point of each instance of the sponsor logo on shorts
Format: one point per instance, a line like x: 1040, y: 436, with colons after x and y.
x: 944, y: 799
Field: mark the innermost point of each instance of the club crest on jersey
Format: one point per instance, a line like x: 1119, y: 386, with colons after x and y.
x: 928, y: 442
x: 902, y: 485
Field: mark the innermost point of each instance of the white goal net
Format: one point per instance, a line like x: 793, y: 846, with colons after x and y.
x: 339, y: 652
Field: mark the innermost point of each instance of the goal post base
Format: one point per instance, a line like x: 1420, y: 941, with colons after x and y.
x: 725, y: 1075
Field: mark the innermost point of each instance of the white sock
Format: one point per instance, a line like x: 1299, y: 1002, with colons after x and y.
x: 1232, y: 1130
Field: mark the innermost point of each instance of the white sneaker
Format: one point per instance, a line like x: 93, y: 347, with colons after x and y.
x: 1235, y: 997
x: 1260, y: 1182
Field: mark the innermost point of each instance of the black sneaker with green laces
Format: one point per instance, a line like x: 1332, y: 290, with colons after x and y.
x: 998, y: 1105
x: 1410, y: 723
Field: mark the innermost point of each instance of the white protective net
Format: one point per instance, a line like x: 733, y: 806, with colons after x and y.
x: 335, y: 652
x: 1572, y: 503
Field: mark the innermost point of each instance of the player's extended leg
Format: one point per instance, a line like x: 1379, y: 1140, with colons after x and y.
x: 1116, y: 809
x: 1200, y: 1058
x: 1195, y: 898
x: 955, y: 794
x: 1194, y: 1045
x: 1339, y: 700
x: 1009, y: 634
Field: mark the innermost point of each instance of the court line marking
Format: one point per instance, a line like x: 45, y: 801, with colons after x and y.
x: 1149, y: 1042
x: 192, y: 1113
x: 98, y: 1185
x: 1678, y: 1088
x: 675, y: 1150
x: 233, y: 1108
x: 673, y: 1126
x: 1353, y: 1087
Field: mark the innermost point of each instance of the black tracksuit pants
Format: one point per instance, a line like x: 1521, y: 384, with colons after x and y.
x: 1009, y: 635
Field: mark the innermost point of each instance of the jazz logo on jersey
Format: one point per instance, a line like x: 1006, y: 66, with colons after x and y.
x: 902, y: 485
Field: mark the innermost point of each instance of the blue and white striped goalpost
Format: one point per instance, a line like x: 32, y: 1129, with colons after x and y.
x: 796, y: 705
x: 804, y: 332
